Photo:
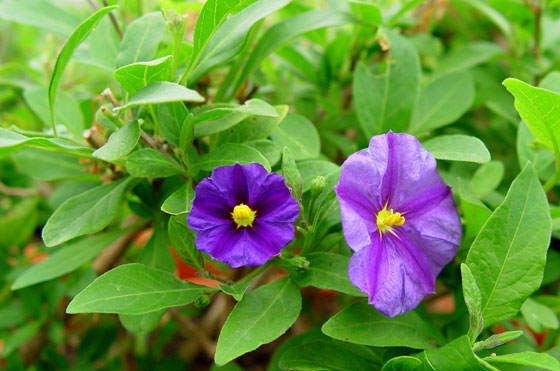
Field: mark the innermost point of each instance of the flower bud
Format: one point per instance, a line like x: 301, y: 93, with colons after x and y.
x: 317, y: 185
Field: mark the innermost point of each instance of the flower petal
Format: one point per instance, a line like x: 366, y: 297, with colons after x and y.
x: 274, y: 202
x: 210, y: 208
x: 411, y: 182
x: 393, y: 273
x: 357, y: 192
x: 240, y: 183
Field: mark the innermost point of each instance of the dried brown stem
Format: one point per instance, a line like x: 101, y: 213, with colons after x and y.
x: 187, y: 324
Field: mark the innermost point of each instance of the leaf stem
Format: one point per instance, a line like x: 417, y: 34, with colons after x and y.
x: 255, y: 272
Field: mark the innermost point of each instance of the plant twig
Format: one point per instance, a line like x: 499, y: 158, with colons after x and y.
x: 17, y: 192
x: 114, y: 21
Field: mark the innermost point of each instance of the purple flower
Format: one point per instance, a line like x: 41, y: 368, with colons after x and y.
x: 399, y: 218
x: 243, y: 215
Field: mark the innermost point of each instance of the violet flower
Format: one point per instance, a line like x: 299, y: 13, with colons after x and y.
x: 243, y: 215
x: 399, y: 218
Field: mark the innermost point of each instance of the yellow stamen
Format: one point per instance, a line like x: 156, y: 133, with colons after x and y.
x: 387, y: 218
x: 243, y: 216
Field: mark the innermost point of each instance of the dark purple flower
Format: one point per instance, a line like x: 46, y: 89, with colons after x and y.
x: 243, y: 215
x: 399, y: 218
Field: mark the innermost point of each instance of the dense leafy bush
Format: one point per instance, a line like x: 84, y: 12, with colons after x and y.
x: 112, y: 112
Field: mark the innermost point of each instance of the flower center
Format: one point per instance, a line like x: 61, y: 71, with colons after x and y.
x: 243, y: 216
x: 387, y: 218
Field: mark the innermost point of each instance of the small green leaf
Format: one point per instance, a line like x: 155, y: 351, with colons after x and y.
x: 291, y: 174
x: 150, y: 163
x: 230, y: 154
x: 66, y: 259
x: 236, y: 290
x: 156, y: 253
x: 120, y: 143
x: 442, y: 102
x: 39, y: 13
x: 12, y: 142
x: 487, y: 178
x: 211, y: 16
x: 254, y: 128
x: 135, y: 76
x: 531, y: 359
x: 267, y: 148
x: 162, y: 92
x: 386, y: 101
x: 20, y: 336
x: 326, y: 271
x: 299, y: 135
x: 497, y: 340
x: 141, y: 39
x: 75, y: 39
x: 260, y: 317
x: 457, y: 355
x: 402, y: 363
x: 539, y: 108
x: 180, y: 201
x: 134, y: 289
x: 182, y: 239
x: 227, y: 40
x: 457, y: 147
x: 507, y: 257
x: 360, y: 323
x: 141, y: 323
x: 85, y: 213
x: 538, y: 316
x: 467, y: 56
x: 473, y: 299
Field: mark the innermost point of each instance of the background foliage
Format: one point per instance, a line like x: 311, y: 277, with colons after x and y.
x: 111, y: 112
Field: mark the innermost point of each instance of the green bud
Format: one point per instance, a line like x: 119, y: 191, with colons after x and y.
x: 318, y: 184
x: 202, y: 301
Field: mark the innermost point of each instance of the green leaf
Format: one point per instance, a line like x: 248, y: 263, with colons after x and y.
x: 172, y: 117
x: 260, y: 317
x: 326, y: 271
x: 66, y: 259
x: 385, y: 101
x: 457, y: 147
x: 310, y: 169
x: 538, y: 316
x: 486, y: 178
x: 135, y: 76
x: 532, y: 359
x: 67, y: 112
x: 85, y: 213
x: 150, y: 163
x: 162, y: 92
x: 497, y: 340
x: 211, y: 16
x: 254, y: 128
x: 467, y: 56
x: 539, y: 108
x: 442, y: 102
x: 268, y: 150
x: 141, y: 323
x: 236, y: 290
x: 230, y: 154
x: 475, y: 214
x: 507, y: 257
x: 291, y: 174
x: 141, y: 39
x: 134, y: 289
x: 527, y: 150
x: 180, y: 201
x: 12, y: 142
x: 283, y: 31
x: 228, y: 39
x: 456, y: 355
x: 101, y: 47
x: 473, y: 299
x: 120, y: 143
x: 156, y: 253
x: 42, y: 165
x: 182, y: 239
x: 39, y: 13
x: 75, y: 39
x: 495, y: 16
x: 17, y: 224
x: 360, y: 323
x: 298, y: 134
x: 328, y: 354
x: 219, y: 124
x: 402, y: 363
